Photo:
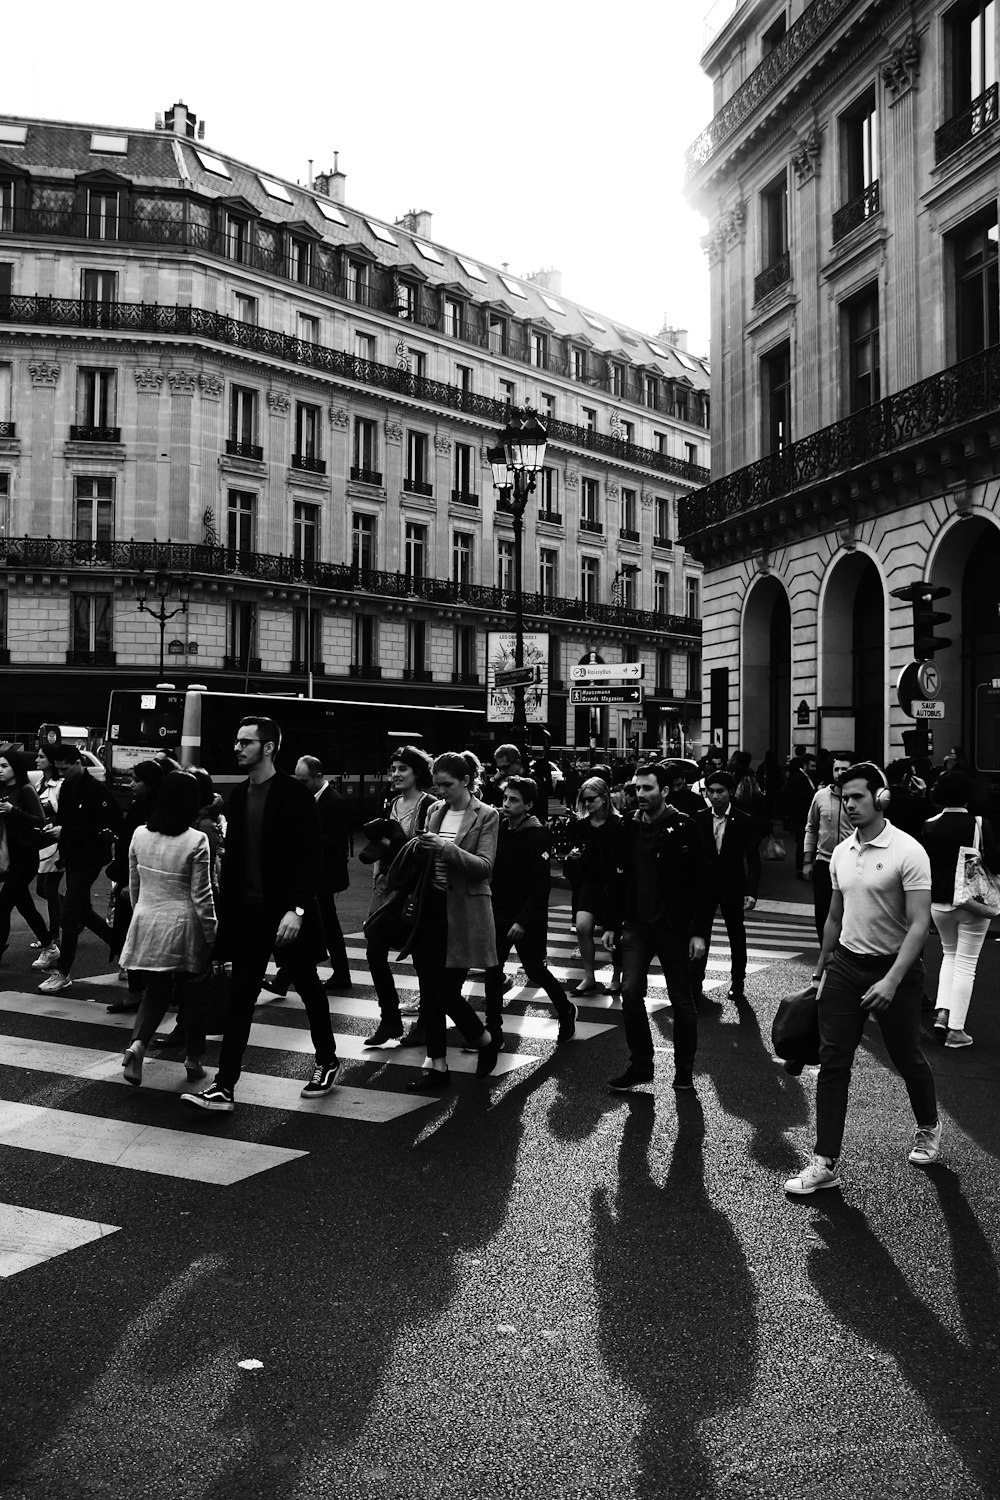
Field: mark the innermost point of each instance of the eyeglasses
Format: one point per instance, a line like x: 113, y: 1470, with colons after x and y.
x: 240, y: 744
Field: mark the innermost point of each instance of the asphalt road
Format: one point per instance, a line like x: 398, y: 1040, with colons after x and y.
x: 532, y: 1289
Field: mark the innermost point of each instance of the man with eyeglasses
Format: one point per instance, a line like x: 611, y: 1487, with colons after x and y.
x: 507, y: 760
x: 267, y: 900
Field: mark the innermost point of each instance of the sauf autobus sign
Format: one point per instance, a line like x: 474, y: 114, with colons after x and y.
x: 500, y: 652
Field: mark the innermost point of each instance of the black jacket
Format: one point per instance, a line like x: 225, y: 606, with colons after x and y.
x: 522, y: 875
x: 291, y: 861
x: 22, y: 826
x: 88, y: 815
x: 735, y: 868
x: 335, y: 835
x: 682, y: 871
x: 942, y: 836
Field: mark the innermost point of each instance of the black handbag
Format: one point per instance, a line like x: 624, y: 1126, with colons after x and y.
x: 795, y: 1031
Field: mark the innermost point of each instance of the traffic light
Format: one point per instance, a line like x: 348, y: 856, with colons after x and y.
x: 917, y: 743
x: 926, y: 618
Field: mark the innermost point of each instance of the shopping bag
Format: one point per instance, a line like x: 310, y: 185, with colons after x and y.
x: 976, y: 890
x: 795, y: 1030
x: 773, y: 848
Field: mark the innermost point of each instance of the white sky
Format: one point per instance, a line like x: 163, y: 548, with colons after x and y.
x: 537, y: 135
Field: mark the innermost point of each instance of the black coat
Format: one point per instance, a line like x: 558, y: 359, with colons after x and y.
x: 88, y: 816
x: 735, y: 869
x: 335, y: 836
x: 681, y: 869
x: 291, y: 862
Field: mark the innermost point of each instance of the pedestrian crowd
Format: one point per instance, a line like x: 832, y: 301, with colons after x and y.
x: 204, y: 898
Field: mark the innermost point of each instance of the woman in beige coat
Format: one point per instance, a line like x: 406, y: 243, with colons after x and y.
x: 173, y: 925
x: 456, y: 930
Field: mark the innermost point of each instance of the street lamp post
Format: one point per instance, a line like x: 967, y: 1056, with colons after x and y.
x: 161, y: 583
x: 516, y: 461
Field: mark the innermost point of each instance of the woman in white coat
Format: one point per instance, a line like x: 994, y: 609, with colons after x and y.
x: 172, y: 932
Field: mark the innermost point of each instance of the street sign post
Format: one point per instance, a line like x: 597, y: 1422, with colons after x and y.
x: 601, y: 695
x: 933, y: 709
x: 608, y: 671
x: 518, y: 676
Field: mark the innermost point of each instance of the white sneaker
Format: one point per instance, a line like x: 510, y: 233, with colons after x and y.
x: 820, y: 1173
x: 957, y: 1038
x: 926, y: 1145
x: 56, y: 981
x: 48, y: 958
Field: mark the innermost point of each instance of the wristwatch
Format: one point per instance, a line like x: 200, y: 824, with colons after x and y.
x: 299, y: 911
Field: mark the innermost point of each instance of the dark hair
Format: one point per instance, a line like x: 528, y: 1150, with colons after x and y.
x: 268, y: 729
x: 50, y: 760
x: 653, y: 768
x: 68, y: 754
x: 312, y: 764
x: 525, y: 787
x: 866, y: 771
x: 150, y: 773
x: 460, y: 763
x: 953, y: 789
x: 512, y: 750
x: 176, y: 806
x: 204, y: 782
x: 418, y: 761
x: 721, y: 778
x: 19, y: 764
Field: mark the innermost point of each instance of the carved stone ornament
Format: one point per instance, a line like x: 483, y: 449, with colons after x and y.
x: 393, y: 432
x: 278, y: 404
x: 149, y: 380
x: 805, y: 156
x: 572, y: 479
x: 647, y: 499
x: 733, y: 224
x: 182, y: 382
x: 211, y: 386
x: 43, y: 373
x: 714, y: 246
x: 442, y: 443
x: 338, y: 416
x: 902, y: 70
x: 612, y: 489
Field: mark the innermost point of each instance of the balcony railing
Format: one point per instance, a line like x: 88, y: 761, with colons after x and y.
x: 550, y: 517
x: 417, y: 674
x: 207, y: 560
x: 365, y: 476
x: 8, y: 429
x: 241, y: 663
x: 79, y: 433
x: 366, y: 669
x: 932, y: 407
x: 865, y: 206
x: 238, y: 449
x: 468, y: 679
x: 99, y: 658
x: 299, y: 667
x: 464, y: 497
x: 196, y: 322
x: 418, y: 487
x: 662, y: 541
x: 628, y: 534
x: 307, y: 464
x: 596, y: 528
x: 961, y: 129
x: 772, y: 276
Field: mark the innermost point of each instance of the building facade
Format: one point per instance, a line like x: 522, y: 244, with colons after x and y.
x: 850, y: 176
x: 287, y: 405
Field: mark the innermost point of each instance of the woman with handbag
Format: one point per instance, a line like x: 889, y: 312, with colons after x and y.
x: 962, y: 929
x: 586, y: 869
x: 21, y: 822
x: 454, y: 931
x: 173, y: 925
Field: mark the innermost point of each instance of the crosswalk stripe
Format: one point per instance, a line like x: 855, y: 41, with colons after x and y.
x: 538, y: 1028
x: 137, y: 1147
x: 29, y: 1236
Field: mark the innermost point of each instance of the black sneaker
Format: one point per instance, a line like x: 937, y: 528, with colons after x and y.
x: 275, y: 986
x: 215, y: 1098
x: 567, y: 1024
x: 488, y: 1055
x: 386, y: 1031
x: 322, y: 1081
x: 631, y: 1076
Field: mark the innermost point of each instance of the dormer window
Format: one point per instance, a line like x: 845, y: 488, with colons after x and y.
x: 102, y: 214
x: 300, y: 260
x: 6, y: 207
x: 237, y: 238
x: 539, y: 350
x: 498, y: 334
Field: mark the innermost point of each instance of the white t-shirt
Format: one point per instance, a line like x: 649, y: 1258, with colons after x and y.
x: 450, y: 824
x: 873, y: 879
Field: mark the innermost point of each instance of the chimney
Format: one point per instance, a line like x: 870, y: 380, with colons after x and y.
x: 549, y: 280
x: 331, y: 184
x: 678, y: 337
x: 182, y: 121
x: 418, y: 222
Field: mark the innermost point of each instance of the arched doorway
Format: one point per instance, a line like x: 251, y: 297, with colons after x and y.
x: 766, y: 677
x: 854, y: 689
x: 967, y: 561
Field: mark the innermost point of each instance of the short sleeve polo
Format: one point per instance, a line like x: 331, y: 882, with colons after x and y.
x: 873, y: 879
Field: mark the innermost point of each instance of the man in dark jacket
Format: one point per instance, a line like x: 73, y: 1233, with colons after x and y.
x: 88, y: 817
x: 660, y: 906
x: 519, y: 887
x: 267, y: 900
x: 731, y: 846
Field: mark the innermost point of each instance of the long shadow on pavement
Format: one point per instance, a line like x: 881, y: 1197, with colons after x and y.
x: 752, y: 1086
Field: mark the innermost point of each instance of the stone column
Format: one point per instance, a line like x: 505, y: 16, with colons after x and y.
x: 182, y: 389
x: 142, y: 523
x: 46, y: 518
x: 898, y: 180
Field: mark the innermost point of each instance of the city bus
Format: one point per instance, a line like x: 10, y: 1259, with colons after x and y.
x: 352, y: 740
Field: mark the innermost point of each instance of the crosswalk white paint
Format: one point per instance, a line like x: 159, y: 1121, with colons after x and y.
x: 29, y: 1236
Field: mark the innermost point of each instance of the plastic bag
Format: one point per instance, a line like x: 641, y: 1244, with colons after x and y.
x: 773, y: 848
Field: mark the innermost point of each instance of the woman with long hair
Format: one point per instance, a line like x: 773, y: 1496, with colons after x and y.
x: 50, y: 869
x: 173, y: 925
x: 147, y: 778
x: 21, y: 821
x: 962, y: 932
x: 455, y: 931
x: 596, y: 835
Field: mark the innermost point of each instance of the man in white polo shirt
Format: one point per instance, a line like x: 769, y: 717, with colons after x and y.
x: 870, y: 965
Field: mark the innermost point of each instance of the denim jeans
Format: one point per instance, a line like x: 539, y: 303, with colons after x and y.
x: 962, y: 937
x: 640, y: 945
x: 841, y: 1024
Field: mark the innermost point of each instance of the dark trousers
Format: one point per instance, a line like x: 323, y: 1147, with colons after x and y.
x: 15, y: 895
x: 377, y: 958
x: 640, y: 945
x: 47, y: 887
x: 162, y: 988
x: 822, y: 895
x: 334, y: 934
x: 78, y: 913
x: 251, y: 936
x: 841, y: 1023
x: 440, y: 987
x: 530, y: 949
x: 731, y: 905
x: 799, y: 830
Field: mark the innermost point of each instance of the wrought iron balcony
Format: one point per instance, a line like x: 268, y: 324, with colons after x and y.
x: 365, y: 476
x: 201, y: 323
x: 550, y: 517
x: 238, y: 449
x: 464, y: 497
x: 300, y: 667
x: 662, y: 541
x: 469, y: 679
x: 418, y: 487
x: 102, y: 657
x: 596, y: 528
x: 865, y: 206
x: 961, y: 129
x: 772, y: 276
x: 215, y: 561
x: 898, y: 425
x: 417, y: 674
x: 8, y: 429
x: 309, y: 465
x: 366, y: 669
x: 79, y: 433
x: 628, y: 534
x: 241, y: 663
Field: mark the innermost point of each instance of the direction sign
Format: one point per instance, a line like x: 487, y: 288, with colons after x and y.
x: 608, y: 671
x: 518, y: 676
x: 929, y: 678
x: 597, y: 695
x: 928, y: 710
